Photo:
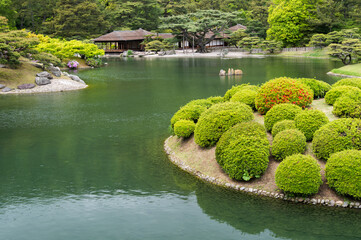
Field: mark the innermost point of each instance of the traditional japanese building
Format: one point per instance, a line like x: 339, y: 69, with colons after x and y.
x: 120, y: 41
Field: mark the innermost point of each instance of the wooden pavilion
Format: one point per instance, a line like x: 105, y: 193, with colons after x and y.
x: 120, y: 41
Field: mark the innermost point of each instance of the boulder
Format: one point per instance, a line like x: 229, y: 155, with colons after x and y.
x: 238, y: 72
x: 222, y: 73
x: 6, y: 89
x: 2, y: 66
x: 42, y: 80
x: 55, y: 71
x: 26, y: 86
x: 2, y: 86
x: 66, y: 74
x: 38, y: 65
x: 44, y: 75
x: 76, y: 78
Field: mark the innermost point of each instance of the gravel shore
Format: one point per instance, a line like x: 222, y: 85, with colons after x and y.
x: 57, y: 85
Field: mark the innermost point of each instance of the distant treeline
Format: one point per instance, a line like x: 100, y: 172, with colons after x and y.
x: 291, y: 21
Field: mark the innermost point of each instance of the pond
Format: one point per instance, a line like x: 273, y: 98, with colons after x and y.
x: 90, y: 164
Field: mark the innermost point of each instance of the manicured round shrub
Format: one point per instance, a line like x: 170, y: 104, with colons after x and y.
x: 282, y: 90
x: 184, y: 128
x: 354, y: 82
x: 191, y: 111
x: 279, y: 112
x: 343, y: 172
x: 287, y: 143
x: 243, y: 151
x: 348, y: 105
x: 319, y: 88
x: 337, y: 136
x: 282, y: 125
x: 201, y: 102
x: 336, y: 92
x: 216, y: 99
x: 218, y: 119
x: 188, y: 112
x: 299, y: 174
x: 229, y: 94
x: 309, y: 121
x: 245, y: 96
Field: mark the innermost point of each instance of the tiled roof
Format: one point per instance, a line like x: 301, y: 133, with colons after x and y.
x: 123, y: 35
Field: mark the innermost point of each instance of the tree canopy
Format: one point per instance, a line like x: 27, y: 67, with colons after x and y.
x: 202, y: 26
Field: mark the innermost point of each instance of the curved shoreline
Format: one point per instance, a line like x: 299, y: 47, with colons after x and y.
x: 342, y: 75
x: 242, y: 186
x: 56, y: 85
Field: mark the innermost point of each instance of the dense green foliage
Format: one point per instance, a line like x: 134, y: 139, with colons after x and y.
x: 229, y: 94
x: 243, y: 151
x: 292, y: 22
x: 190, y: 111
x: 354, y: 82
x: 289, y: 21
x: 195, y: 26
x: 279, y: 112
x: 309, y: 121
x: 319, y: 88
x: 282, y: 125
x: 184, y: 128
x: 343, y: 172
x: 13, y: 44
x: 282, y: 90
x: 336, y: 92
x: 46, y: 59
x: 337, y: 136
x: 287, y: 143
x: 348, y: 105
x: 67, y: 49
x: 299, y: 174
x: 245, y: 96
x: 216, y: 99
x: 218, y: 119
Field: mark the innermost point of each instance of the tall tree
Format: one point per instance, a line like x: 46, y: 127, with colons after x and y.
x: 7, y: 10
x: 202, y: 26
x: 32, y: 14
x: 134, y: 14
x: 289, y: 21
x: 78, y: 19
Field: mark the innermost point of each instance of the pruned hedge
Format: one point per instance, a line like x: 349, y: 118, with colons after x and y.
x: 218, y: 119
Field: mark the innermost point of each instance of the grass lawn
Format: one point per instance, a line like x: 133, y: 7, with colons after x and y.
x: 351, y: 70
x: 14, y: 77
x: 317, y: 53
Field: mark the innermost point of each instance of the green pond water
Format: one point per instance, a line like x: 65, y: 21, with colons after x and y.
x: 90, y: 164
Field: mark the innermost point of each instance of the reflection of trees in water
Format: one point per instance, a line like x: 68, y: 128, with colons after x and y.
x: 254, y: 215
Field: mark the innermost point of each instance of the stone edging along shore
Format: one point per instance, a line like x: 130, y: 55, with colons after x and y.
x: 238, y: 187
x: 342, y: 75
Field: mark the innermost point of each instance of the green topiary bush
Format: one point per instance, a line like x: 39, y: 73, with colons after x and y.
x: 309, y: 121
x: 282, y: 90
x: 343, y: 172
x: 243, y: 151
x: 319, y: 88
x: 299, y: 174
x: 353, y: 82
x: 229, y: 94
x: 216, y: 99
x: 337, y: 136
x: 336, y: 92
x: 188, y: 112
x: 218, y: 119
x: 287, y: 143
x: 282, y: 125
x: 284, y: 111
x: 245, y: 96
x: 184, y: 128
x: 348, y: 105
x: 191, y: 111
